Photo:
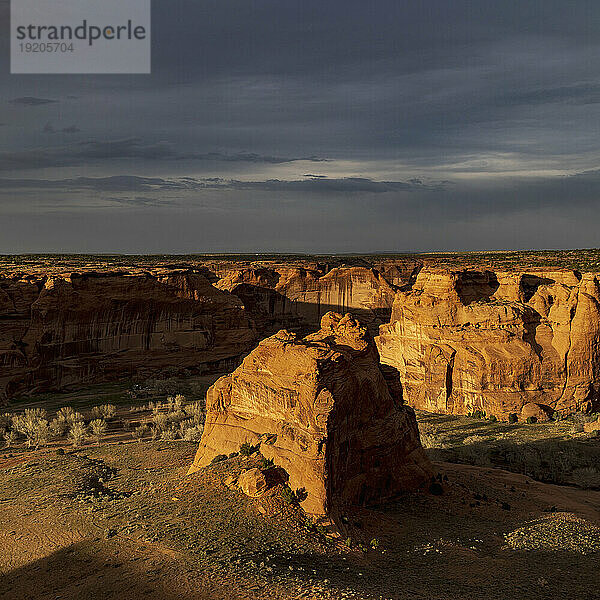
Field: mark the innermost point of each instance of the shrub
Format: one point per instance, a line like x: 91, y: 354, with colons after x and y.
x: 513, y: 418
x: 69, y: 415
x: 10, y: 437
x: 5, y: 420
x: 161, y: 421
x: 196, y: 411
x: 78, y: 433
x: 33, y: 425
x: 531, y: 420
x: 40, y: 433
x: 98, y: 427
x: 65, y: 413
x: 247, y: 449
x: 374, y: 543
x: 192, y: 434
x: 288, y: 496
x: 168, y: 435
x: 58, y: 427
x: 106, y: 411
x: 175, y: 416
x: 477, y: 414
x: 493, y: 418
x: 139, y: 433
x: 266, y: 463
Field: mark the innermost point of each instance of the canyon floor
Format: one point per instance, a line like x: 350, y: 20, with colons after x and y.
x: 123, y: 520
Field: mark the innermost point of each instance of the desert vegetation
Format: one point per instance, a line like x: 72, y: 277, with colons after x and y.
x: 171, y: 419
x: 559, y: 452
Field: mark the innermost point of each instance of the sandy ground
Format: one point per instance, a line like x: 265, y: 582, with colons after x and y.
x: 123, y: 521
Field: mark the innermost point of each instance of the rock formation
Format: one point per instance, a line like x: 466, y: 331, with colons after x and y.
x: 324, y: 410
x: 301, y: 296
x: 93, y: 327
x: 479, y: 340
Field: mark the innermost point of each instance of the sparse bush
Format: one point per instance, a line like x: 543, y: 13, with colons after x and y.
x: 374, y: 543
x: 98, y: 427
x: 58, y: 427
x: 65, y: 413
x: 531, y: 420
x: 477, y: 414
x: 78, y: 433
x: 577, y: 428
x: 40, y: 434
x: 493, y: 419
x: 178, y: 402
x: 175, y: 416
x: 513, y: 418
x: 161, y: 421
x: 168, y: 435
x: 266, y: 463
x: 10, y: 437
x: 33, y: 425
x: 5, y: 420
x: 196, y: 411
x: 139, y: 433
x: 247, y: 449
x: 288, y: 495
x: 106, y: 411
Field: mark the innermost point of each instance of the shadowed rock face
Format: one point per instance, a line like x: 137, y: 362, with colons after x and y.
x: 465, y: 340
x: 325, y: 411
x: 301, y: 296
x: 87, y: 328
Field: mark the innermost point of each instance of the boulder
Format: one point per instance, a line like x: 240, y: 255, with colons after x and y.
x: 253, y: 483
x: 323, y: 410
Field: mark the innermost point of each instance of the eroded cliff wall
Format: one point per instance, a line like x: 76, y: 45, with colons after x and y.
x: 91, y: 327
x: 495, y: 341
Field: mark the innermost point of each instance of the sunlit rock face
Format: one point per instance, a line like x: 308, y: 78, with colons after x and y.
x: 479, y: 340
x: 325, y: 410
x: 92, y: 327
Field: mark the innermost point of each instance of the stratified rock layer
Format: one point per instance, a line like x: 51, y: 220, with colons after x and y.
x: 303, y: 295
x: 92, y: 327
x: 479, y: 340
x: 325, y: 411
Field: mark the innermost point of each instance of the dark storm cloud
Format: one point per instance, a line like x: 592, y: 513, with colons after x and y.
x: 117, y: 183
x: 91, y: 151
x: 32, y: 101
x: 131, y: 182
x: 430, y: 124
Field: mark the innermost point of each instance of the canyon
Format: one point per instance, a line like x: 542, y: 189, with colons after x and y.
x: 463, y: 334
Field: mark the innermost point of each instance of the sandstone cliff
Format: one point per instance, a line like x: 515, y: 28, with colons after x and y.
x: 479, y: 340
x: 300, y: 296
x: 92, y: 327
x: 326, y: 412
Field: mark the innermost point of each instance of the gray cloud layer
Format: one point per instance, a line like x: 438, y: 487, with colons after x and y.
x: 426, y: 125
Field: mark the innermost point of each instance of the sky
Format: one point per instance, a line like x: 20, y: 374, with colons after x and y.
x: 315, y: 126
